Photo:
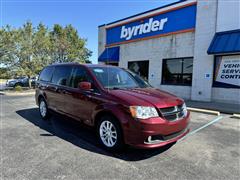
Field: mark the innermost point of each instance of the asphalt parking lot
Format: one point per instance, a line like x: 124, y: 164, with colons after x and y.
x: 64, y: 149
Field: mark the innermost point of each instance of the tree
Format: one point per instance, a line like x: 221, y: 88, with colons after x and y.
x: 26, y: 62
x: 41, y: 47
x: 16, y: 45
x: 27, y: 50
x: 67, y: 46
x: 8, y: 46
x: 4, y: 73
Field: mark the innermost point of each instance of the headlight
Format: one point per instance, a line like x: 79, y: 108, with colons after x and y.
x: 143, y: 112
x: 184, y: 107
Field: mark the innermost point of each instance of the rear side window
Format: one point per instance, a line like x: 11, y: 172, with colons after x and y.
x: 61, y: 75
x: 46, y: 74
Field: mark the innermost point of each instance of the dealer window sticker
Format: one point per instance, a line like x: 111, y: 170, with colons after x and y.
x: 98, y: 70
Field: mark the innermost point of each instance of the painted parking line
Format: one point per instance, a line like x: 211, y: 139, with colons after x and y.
x: 202, y: 127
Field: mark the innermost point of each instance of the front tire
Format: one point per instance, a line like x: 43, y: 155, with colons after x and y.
x: 43, y: 109
x: 17, y: 84
x: 110, y: 133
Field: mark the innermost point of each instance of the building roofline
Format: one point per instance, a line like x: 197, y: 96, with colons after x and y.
x: 229, y: 31
x: 151, y: 10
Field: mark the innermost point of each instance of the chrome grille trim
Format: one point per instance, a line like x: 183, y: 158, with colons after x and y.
x: 173, y: 113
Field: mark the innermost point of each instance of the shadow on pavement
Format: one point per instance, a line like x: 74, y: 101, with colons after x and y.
x: 82, y: 136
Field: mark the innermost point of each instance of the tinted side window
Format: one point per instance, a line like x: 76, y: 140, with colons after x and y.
x: 79, y: 75
x: 46, y: 74
x: 61, y: 75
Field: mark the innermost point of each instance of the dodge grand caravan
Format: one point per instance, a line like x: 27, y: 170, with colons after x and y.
x: 122, y: 107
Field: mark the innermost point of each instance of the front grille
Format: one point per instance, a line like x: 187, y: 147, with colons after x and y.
x: 173, y: 113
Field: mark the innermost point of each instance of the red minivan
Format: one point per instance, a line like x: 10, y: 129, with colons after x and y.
x: 122, y: 107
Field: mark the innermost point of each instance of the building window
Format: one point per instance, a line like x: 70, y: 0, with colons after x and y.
x: 140, y: 68
x: 177, y: 71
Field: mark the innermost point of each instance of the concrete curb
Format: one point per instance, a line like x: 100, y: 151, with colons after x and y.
x: 217, y: 113
x: 236, y: 116
x: 18, y: 93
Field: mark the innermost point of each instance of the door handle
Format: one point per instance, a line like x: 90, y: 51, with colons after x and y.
x: 51, y: 88
x: 87, y: 94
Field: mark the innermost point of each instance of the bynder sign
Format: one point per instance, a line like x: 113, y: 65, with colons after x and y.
x: 173, y: 21
x: 150, y: 26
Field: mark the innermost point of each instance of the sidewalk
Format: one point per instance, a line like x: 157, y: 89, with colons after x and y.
x: 16, y: 93
x: 216, y: 106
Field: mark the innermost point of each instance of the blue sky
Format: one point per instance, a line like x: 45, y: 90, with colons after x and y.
x: 85, y: 15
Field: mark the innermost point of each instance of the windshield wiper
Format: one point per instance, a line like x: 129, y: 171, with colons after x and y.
x: 115, y: 88
x: 122, y: 88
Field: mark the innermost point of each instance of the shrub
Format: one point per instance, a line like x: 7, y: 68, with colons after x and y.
x: 18, y: 88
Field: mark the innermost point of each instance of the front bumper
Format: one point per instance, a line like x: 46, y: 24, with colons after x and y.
x: 160, y: 143
x: 140, y: 132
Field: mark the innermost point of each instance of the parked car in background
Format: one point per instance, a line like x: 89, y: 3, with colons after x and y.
x: 123, y: 108
x: 22, y: 81
x: 34, y: 80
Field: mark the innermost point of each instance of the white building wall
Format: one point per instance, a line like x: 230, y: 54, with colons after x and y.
x: 154, y: 50
x: 203, y: 63
x: 226, y: 95
x: 101, y: 39
x: 228, y: 15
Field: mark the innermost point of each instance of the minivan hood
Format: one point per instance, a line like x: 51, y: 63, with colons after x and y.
x: 147, y: 97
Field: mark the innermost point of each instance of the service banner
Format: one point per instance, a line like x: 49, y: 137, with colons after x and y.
x: 228, y: 70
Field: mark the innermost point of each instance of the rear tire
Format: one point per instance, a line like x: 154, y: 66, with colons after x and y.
x: 109, y: 133
x: 43, y: 109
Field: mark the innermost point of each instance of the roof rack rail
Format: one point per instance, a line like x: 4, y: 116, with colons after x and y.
x: 57, y: 63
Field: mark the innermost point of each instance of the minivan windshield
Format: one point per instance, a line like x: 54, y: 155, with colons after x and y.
x: 117, y: 78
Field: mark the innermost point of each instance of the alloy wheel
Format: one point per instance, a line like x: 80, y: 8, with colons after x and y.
x: 43, y: 108
x: 108, y: 133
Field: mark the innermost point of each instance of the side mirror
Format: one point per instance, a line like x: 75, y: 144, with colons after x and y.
x: 84, y: 85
